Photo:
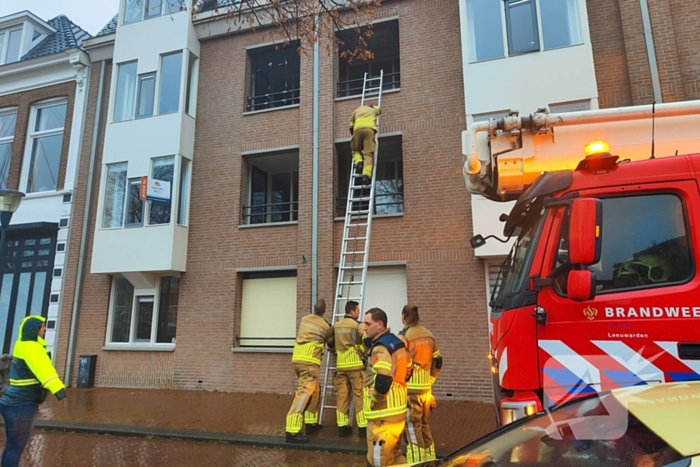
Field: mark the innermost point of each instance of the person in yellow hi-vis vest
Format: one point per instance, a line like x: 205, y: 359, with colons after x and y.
x: 349, y: 379
x: 32, y: 377
x: 363, y: 127
x: 306, y: 358
x: 427, y: 363
x: 385, y: 407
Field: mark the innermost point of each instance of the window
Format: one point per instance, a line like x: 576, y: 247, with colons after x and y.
x: 645, y: 244
x: 46, y: 141
x: 162, y: 170
x: 485, y: 30
x: 184, y: 197
x: 384, y: 44
x: 138, y: 10
x: 170, y: 78
x: 274, y: 79
x: 115, y: 193
x: 146, y: 95
x: 274, y: 188
x: 126, y: 90
x: 191, y: 96
x: 268, y: 310
x: 8, y: 120
x: 135, y: 311
x: 10, y: 42
x: 388, y: 188
x: 558, y: 25
x: 134, y: 205
x: 573, y: 106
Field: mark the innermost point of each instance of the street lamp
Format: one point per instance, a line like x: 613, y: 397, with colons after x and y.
x: 9, y: 202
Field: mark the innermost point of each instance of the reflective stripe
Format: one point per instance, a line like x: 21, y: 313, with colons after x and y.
x: 349, y: 360
x: 377, y: 454
x: 310, y: 418
x: 305, y: 353
x: 382, y: 366
x: 341, y: 419
x: 294, y: 422
x: 436, y: 354
x: 420, y: 380
x: 396, y: 401
x: 24, y: 382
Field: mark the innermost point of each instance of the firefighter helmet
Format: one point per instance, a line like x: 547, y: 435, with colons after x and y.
x: 645, y: 269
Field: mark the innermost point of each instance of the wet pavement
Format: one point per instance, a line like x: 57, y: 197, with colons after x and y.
x: 52, y: 449
x: 252, y: 419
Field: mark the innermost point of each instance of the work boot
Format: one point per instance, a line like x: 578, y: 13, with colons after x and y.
x: 311, y: 429
x: 358, y: 167
x: 344, y: 431
x: 367, y: 181
x: 362, y: 431
x: 298, y: 438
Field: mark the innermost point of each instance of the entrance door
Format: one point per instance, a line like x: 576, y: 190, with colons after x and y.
x: 25, y: 281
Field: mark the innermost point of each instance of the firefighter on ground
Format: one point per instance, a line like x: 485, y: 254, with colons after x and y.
x: 349, y: 379
x: 385, y: 406
x: 306, y: 358
x: 427, y: 363
x: 32, y: 377
x: 363, y: 127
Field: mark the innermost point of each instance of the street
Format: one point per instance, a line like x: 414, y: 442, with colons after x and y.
x: 54, y: 449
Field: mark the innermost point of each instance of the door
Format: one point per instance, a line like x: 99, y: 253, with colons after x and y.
x: 646, y: 302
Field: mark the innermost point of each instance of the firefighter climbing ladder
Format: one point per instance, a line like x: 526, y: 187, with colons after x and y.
x: 354, y: 252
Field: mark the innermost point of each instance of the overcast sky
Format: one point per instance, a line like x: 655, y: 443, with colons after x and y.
x: 91, y: 15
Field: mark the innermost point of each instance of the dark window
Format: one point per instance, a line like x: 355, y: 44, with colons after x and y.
x: 274, y: 188
x: 167, y: 308
x: 163, y: 170
x: 121, y: 309
x: 383, y: 44
x: 134, y: 205
x: 388, y: 193
x: 274, y: 78
x: 645, y: 244
x: 521, y: 22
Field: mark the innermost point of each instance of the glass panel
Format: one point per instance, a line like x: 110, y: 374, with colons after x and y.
x: 173, y: 6
x: 115, y: 191
x: 281, y: 195
x: 126, y: 91
x: 522, y: 26
x: 485, y: 30
x: 30, y: 242
x: 389, y: 188
x: 167, y: 308
x: 35, y: 34
x: 7, y: 124
x: 25, y: 280
x: 153, y: 8
x: 45, y: 252
x: 258, y: 195
x: 134, y: 210
x: 44, y: 241
x: 37, y: 303
x: 5, y: 294
x: 28, y: 253
x: 13, y: 42
x: 184, y: 198
x: 170, y: 77
x: 133, y: 11
x: 144, y: 319
x: 275, y: 79
x: 5, y: 156
x: 46, y: 158
x: 50, y: 118
x: 163, y: 168
x: 560, y: 24
x: 121, y: 312
x: 2, y: 45
x: 146, y: 95
x: 191, y: 96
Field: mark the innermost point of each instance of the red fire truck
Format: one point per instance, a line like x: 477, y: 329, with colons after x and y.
x: 601, y: 286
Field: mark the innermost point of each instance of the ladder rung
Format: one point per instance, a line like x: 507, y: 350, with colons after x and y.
x: 364, y: 211
x: 356, y: 238
x: 353, y: 253
x: 363, y: 224
x: 350, y: 282
x: 350, y: 267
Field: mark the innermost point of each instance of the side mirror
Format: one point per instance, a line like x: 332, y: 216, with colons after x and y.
x: 580, y: 285
x: 585, y: 231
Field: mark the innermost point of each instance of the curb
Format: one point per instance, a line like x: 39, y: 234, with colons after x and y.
x: 269, y: 441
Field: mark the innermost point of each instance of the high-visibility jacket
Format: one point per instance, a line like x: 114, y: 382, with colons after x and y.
x: 312, y: 336
x: 389, y: 358
x: 31, y: 370
x: 365, y: 117
x: 425, y: 355
x: 346, y: 337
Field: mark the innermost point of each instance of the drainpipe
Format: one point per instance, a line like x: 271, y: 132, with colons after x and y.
x: 80, y: 276
x: 314, y: 214
x: 651, y: 52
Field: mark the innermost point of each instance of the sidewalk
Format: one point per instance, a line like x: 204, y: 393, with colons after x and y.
x: 251, y: 419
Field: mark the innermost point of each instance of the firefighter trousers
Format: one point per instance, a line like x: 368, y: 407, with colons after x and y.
x: 383, y: 446
x: 349, y: 384
x: 420, y: 445
x: 362, y: 142
x: 304, y: 408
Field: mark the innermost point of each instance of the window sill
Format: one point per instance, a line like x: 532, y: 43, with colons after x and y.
x: 255, y: 112
x: 359, y: 96
x: 268, y: 224
x: 285, y: 350
x: 47, y: 194
x: 375, y: 216
x: 140, y: 348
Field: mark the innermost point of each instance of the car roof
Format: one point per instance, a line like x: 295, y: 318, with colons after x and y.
x: 671, y: 410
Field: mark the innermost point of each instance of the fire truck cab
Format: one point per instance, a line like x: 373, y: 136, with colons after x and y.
x: 600, y: 289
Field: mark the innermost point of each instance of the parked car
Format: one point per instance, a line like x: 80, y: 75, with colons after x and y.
x: 642, y: 426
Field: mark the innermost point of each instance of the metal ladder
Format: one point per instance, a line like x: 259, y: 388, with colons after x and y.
x: 354, y: 252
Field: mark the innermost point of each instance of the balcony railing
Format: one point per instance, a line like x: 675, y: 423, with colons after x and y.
x: 270, y: 213
x: 353, y: 87
x: 384, y: 203
x: 273, y: 99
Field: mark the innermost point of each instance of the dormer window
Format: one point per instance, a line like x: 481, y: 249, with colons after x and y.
x: 10, y: 42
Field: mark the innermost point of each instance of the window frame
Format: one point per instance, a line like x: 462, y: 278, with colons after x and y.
x: 247, y: 213
x: 127, y: 114
x: 252, y: 55
x: 140, y: 79
x: 33, y: 135
x: 191, y: 83
x: 130, y: 181
x: 164, y: 9
x: 536, y: 26
x: 5, y: 45
x: 124, y: 197
x: 184, y: 191
x: 148, y: 222
x: 9, y: 140
x: 133, y: 343
x: 158, y: 97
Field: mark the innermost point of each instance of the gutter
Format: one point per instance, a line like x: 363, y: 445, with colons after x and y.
x: 651, y: 51
x: 314, y: 183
